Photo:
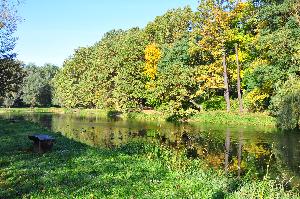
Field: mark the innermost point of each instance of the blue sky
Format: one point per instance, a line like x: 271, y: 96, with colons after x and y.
x: 52, y: 29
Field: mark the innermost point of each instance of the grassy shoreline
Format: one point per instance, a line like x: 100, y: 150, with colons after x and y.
x: 135, y: 170
x: 213, y: 117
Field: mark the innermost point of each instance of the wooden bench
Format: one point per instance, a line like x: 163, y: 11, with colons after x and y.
x: 41, y: 143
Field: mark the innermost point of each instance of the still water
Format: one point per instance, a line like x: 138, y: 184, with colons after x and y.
x: 240, y: 150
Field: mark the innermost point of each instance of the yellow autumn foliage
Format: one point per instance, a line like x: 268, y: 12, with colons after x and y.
x: 256, y: 99
x: 152, y: 56
x: 209, y: 77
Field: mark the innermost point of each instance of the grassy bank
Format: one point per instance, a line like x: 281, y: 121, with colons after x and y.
x: 55, y: 110
x: 235, y: 118
x: 135, y: 170
x: 215, y: 117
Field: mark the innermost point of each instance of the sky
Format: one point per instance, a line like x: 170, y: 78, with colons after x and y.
x: 52, y: 29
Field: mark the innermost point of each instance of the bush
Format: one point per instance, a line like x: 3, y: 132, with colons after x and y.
x: 256, y: 100
x: 214, y: 103
x: 285, y: 104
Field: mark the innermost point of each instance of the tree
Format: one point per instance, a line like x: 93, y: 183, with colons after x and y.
x: 238, y: 79
x: 8, y: 25
x: 213, y: 33
x: 285, y: 104
x: 170, y: 27
x: 73, y: 84
x: 10, y: 70
x: 152, y: 56
x: 108, y: 74
x: 129, y: 82
x: 11, y: 75
x: 167, y: 55
x: 108, y: 63
x: 220, y: 26
x: 242, y: 36
x: 37, y: 87
x: 10, y: 98
x: 174, y: 86
x: 276, y: 49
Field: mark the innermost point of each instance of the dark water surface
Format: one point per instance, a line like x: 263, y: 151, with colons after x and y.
x: 240, y: 150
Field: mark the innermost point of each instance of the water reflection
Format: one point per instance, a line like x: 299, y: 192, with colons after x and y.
x: 227, y: 149
x: 239, y: 150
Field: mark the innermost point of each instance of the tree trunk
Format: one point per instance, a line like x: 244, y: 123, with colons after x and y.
x: 226, y: 91
x: 238, y: 79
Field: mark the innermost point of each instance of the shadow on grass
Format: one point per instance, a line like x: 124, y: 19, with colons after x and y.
x: 71, y: 168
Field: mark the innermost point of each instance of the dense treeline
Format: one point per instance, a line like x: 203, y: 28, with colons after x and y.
x: 20, y: 85
x: 186, y: 61
x: 226, y: 55
x: 35, y: 89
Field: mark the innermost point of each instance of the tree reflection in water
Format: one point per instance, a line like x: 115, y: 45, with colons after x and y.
x: 239, y: 150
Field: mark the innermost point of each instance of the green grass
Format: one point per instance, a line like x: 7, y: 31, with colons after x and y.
x: 145, y: 116
x: 82, y: 112
x: 214, y: 117
x: 136, y: 170
x: 234, y: 118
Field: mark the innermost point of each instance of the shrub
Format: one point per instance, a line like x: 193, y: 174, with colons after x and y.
x: 285, y: 104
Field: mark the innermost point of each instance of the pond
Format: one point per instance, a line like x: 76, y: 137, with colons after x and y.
x: 240, y: 150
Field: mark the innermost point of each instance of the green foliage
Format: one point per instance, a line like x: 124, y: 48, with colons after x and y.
x: 10, y: 98
x: 285, y: 104
x: 170, y: 27
x: 11, y: 75
x: 174, y: 94
x: 214, y: 103
x: 108, y: 64
x: 257, y: 99
x: 73, y: 85
x: 37, y: 87
x: 120, y: 58
x: 277, y: 46
x: 176, y: 62
x: 129, y: 82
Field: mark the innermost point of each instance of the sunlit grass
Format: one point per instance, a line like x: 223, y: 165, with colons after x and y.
x: 222, y: 117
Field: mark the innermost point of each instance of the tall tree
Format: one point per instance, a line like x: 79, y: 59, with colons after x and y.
x: 170, y: 27
x: 220, y: 25
x: 213, y: 33
x: 238, y: 71
x: 73, y: 84
x: 128, y: 93
x: 37, y: 87
x: 11, y: 73
x: 277, y: 48
x: 175, y: 86
x: 8, y: 25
